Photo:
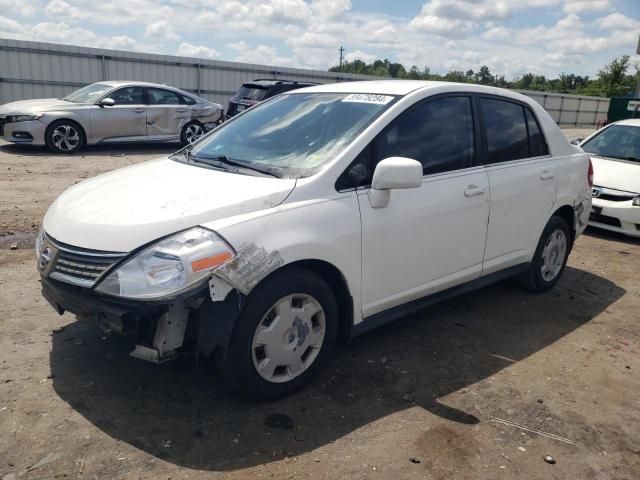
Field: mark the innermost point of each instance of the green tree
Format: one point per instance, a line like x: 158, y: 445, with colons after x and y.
x: 614, y: 79
x: 484, y: 77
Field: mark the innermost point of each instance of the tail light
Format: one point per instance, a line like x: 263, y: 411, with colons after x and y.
x: 590, y: 174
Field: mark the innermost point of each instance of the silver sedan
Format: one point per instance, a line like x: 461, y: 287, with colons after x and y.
x: 109, y: 112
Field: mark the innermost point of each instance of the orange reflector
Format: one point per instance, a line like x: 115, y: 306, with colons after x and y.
x: 210, y: 262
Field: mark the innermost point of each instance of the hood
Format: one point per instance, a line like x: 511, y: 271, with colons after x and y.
x: 616, y: 174
x: 35, y: 106
x: 127, y: 208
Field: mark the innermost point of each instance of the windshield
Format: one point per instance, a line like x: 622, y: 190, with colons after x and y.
x: 616, y: 141
x: 88, y: 94
x: 252, y: 92
x: 293, y: 135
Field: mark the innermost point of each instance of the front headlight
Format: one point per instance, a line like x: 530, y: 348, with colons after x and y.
x: 169, y: 266
x: 636, y: 201
x: 23, y: 118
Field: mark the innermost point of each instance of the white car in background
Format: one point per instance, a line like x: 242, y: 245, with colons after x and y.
x: 108, y: 112
x: 615, y: 153
x: 315, y: 216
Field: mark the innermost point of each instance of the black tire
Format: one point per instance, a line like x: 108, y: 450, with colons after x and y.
x: 186, y: 137
x: 534, y: 280
x: 237, y: 361
x: 65, y: 136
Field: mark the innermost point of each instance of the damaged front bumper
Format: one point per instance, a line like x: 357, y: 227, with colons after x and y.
x: 191, y: 323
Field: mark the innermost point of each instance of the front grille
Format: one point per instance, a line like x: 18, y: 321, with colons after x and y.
x: 612, y: 195
x: 80, y: 266
x: 616, y: 198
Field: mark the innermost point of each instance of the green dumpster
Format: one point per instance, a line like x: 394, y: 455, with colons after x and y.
x: 623, y: 107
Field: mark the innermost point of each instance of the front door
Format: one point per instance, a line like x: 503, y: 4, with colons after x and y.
x: 124, y: 121
x: 166, y: 114
x: 431, y: 237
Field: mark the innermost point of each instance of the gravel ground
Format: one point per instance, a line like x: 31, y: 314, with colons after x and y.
x: 480, y: 387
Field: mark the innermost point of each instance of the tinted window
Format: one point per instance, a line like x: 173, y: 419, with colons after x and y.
x: 616, y: 141
x: 437, y: 133
x: 252, y: 92
x: 506, y: 130
x: 537, y: 143
x: 127, y: 96
x: 158, y: 96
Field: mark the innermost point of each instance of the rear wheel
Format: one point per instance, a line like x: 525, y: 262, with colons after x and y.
x: 64, y: 136
x: 191, y: 132
x: 283, y: 336
x: 550, y: 258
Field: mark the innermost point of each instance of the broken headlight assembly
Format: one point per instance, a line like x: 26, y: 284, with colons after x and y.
x: 168, y: 266
x: 636, y: 201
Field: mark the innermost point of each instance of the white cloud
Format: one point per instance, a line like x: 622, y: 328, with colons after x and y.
x: 497, y: 33
x: 161, y: 30
x: 237, y: 46
x: 617, y: 21
x: 8, y: 25
x: 581, y: 6
x: 444, y: 27
x: 22, y: 8
x: 187, y: 50
x: 263, y: 55
x: 360, y: 55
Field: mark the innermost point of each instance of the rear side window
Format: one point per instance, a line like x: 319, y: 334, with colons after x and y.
x: 158, y: 96
x: 187, y: 100
x: 537, y: 144
x: 438, y: 133
x: 252, y: 92
x: 506, y: 130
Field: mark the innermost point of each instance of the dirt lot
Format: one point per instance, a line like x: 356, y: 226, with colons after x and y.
x: 481, y: 387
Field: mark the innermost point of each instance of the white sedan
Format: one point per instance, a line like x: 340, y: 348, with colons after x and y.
x: 615, y: 153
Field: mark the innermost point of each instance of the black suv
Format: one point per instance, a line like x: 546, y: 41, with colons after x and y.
x: 258, y: 90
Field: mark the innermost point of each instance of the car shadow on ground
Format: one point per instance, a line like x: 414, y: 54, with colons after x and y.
x: 185, y: 414
x: 114, y: 149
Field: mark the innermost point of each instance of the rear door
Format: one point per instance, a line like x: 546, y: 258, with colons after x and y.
x: 167, y: 113
x: 431, y: 237
x: 521, y: 178
x: 124, y: 121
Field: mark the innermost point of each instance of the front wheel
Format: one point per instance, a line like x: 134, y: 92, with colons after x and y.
x: 64, y: 136
x: 191, y: 132
x: 550, y: 258
x: 283, y: 336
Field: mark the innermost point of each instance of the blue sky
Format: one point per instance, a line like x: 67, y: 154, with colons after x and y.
x: 510, y: 36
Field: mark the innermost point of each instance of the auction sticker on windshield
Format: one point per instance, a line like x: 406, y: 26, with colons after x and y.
x: 368, y: 98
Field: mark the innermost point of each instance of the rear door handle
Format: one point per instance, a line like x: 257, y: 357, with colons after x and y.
x: 138, y: 110
x: 473, y: 190
x: 546, y: 175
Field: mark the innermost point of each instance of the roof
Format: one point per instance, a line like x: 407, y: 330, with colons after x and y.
x: 632, y: 122
x: 404, y: 87
x: 268, y: 82
x: 118, y: 83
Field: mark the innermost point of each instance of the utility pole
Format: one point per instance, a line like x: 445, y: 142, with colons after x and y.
x: 637, y: 92
x: 341, y: 50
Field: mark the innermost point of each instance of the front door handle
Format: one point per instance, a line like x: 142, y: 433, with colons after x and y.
x: 138, y: 110
x: 181, y: 110
x: 473, y: 190
x: 546, y: 175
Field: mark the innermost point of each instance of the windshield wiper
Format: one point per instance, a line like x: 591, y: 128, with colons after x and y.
x: 225, y: 160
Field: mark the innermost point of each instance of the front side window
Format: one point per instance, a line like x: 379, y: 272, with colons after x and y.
x: 127, y: 96
x: 159, y: 96
x: 437, y: 133
x: 506, y: 130
x: 293, y: 135
x: 617, y: 142
x: 89, y: 94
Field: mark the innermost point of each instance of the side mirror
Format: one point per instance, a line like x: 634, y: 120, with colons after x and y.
x: 576, y: 141
x: 393, y: 173
x: 107, y: 102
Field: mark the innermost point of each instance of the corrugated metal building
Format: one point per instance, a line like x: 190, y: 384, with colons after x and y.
x: 41, y: 70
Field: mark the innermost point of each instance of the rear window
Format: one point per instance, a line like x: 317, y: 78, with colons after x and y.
x: 252, y: 92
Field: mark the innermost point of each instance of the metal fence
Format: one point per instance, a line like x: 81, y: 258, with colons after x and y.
x: 41, y: 70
